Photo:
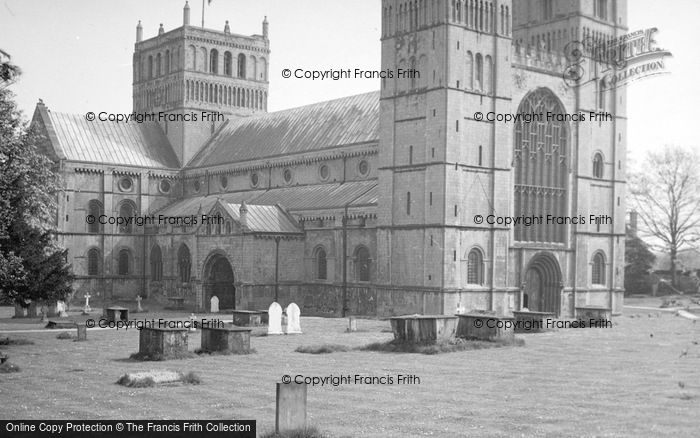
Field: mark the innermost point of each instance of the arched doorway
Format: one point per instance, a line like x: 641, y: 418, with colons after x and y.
x: 542, y: 286
x: 218, y: 280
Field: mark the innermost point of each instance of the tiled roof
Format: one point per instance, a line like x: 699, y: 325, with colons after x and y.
x: 301, y: 198
x: 346, y: 121
x: 325, y: 196
x: 264, y: 218
x: 130, y: 144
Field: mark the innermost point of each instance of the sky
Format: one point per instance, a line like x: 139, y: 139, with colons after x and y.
x: 76, y: 54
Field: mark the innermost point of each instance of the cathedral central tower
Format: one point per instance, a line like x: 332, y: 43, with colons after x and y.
x: 190, y: 70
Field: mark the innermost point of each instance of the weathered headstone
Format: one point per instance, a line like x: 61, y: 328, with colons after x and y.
x: 293, y: 322
x: 138, y: 303
x: 291, y: 407
x: 82, y: 332
x: 61, y: 309
x: 214, y: 304
x: 274, y: 327
x: 193, y: 322
x: 352, y: 324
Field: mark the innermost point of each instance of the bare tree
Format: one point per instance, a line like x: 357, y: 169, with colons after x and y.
x: 666, y: 194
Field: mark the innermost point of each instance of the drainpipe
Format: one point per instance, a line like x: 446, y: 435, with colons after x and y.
x: 345, y: 260
x: 345, y: 250
x: 277, y: 262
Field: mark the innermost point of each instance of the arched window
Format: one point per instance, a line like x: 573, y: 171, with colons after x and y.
x: 159, y: 63
x: 184, y: 263
x: 470, y: 70
x: 150, y: 67
x: 598, y: 166
x: 241, y: 66
x: 93, y: 262
x: 488, y: 83
x: 228, y: 64
x: 408, y: 203
x: 202, y: 59
x: 214, y: 61
x: 192, y: 58
x: 263, y: 69
x: 95, y: 211
x: 479, y: 71
x: 127, y: 210
x: 156, y: 264
x: 321, y: 264
x: 362, y: 264
x: 540, y: 162
x: 167, y: 62
x: 598, y: 269
x: 124, y: 262
x: 475, y: 267
x: 601, y: 94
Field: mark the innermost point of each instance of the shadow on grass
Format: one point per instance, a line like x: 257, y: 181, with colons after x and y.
x: 7, y: 341
x: 65, y: 335
x: 157, y: 357
x: 307, y: 432
x: 201, y: 352
x: 450, y: 346
x: 321, y: 349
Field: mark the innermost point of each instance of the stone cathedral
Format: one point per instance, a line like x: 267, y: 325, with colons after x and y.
x: 424, y: 197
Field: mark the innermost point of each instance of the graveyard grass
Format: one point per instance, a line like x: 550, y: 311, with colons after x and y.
x: 630, y: 380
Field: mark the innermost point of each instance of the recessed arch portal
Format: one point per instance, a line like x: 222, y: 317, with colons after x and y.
x: 219, y: 280
x: 542, y: 285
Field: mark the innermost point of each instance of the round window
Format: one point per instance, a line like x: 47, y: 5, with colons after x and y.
x: 287, y: 176
x: 363, y: 167
x: 125, y: 184
x: 165, y: 186
x: 324, y: 171
x: 196, y: 185
x: 254, y: 179
x: 223, y: 181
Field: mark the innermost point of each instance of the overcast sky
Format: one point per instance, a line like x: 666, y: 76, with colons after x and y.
x: 76, y: 54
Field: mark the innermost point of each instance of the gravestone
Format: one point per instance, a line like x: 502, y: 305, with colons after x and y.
x: 61, y: 309
x: 82, y: 332
x: 193, y: 322
x: 293, y: 322
x: 214, y: 304
x: 164, y: 342
x: 138, y: 304
x: 352, y: 324
x: 116, y: 313
x: 291, y: 407
x: 228, y: 338
x: 274, y: 326
x: 87, y: 309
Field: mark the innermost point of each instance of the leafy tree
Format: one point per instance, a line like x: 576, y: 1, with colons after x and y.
x: 32, y: 265
x: 638, y: 262
x: 667, y: 196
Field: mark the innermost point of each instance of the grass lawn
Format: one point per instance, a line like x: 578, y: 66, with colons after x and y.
x: 584, y: 382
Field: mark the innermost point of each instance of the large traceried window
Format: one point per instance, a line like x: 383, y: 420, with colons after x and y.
x: 540, y: 162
